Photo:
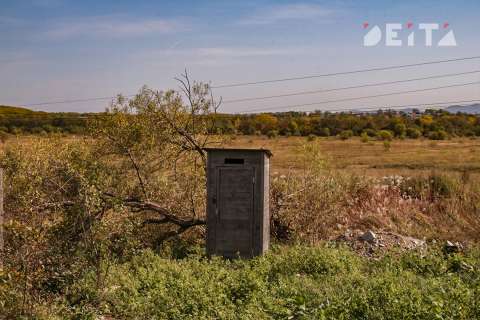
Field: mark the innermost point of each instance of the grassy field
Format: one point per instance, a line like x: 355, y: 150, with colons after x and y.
x: 405, y: 157
x: 119, y: 270
x: 295, y: 282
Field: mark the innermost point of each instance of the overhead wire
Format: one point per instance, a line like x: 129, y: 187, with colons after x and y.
x: 358, y: 98
x: 303, y: 77
x: 350, y: 87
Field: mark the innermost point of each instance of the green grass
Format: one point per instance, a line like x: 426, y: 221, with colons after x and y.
x: 288, y: 283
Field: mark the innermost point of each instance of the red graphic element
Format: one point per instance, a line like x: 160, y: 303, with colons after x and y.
x: 409, y: 25
x: 365, y: 25
x: 446, y: 25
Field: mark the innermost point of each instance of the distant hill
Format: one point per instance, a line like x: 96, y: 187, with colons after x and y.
x: 16, y: 120
x: 16, y: 110
x: 471, y: 109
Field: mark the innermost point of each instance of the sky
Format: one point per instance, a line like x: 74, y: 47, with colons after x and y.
x: 55, y: 50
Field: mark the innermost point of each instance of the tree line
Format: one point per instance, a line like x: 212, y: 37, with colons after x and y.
x: 433, y: 124
x: 16, y: 120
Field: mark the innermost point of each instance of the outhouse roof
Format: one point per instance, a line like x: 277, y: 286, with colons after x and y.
x: 266, y: 151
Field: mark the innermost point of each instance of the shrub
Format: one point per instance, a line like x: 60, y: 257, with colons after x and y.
x: 324, y: 132
x: 413, y: 133
x: 370, y: 132
x: 438, y: 135
x: 364, y: 137
x: 272, y: 134
x: 432, y: 187
x: 387, y: 145
x: 346, y: 134
x: 385, y: 135
x: 400, y: 130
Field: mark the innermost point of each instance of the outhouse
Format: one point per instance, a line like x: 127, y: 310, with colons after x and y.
x: 238, y: 220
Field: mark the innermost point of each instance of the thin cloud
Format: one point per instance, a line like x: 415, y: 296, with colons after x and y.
x: 115, y: 26
x: 223, y: 52
x: 240, y: 52
x: 215, y: 56
x: 281, y: 13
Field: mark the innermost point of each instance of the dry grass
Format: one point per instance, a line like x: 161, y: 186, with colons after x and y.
x: 348, y: 192
x: 355, y: 190
x: 405, y: 157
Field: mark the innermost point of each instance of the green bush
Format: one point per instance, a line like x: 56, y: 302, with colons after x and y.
x: 400, y: 130
x: 272, y: 134
x: 413, y: 133
x: 477, y: 131
x: 324, y: 132
x: 385, y: 135
x: 370, y: 132
x: 346, y: 134
x: 364, y: 137
x: 387, y: 144
x: 438, y: 135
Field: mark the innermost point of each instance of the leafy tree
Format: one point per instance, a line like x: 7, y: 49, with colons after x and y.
x: 265, y: 122
x: 71, y: 205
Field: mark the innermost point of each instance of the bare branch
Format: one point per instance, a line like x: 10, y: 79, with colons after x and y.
x: 137, y: 171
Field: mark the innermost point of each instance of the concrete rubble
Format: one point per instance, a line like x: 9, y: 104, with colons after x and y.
x: 371, y: 243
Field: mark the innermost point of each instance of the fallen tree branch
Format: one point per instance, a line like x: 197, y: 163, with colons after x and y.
x: 166, y: 216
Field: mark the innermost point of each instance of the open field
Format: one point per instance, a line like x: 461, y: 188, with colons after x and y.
x: 404, y: 157
x: 86, y: 263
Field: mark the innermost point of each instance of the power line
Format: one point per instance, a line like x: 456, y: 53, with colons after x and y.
x: 362, y: 97
x: 72, y: 101
x: 272, y: 96
x: 274, y: 80
x: 240, y: 84
x: 350, y: 87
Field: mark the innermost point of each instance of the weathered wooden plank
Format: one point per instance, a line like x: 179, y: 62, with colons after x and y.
x: 238, y: 215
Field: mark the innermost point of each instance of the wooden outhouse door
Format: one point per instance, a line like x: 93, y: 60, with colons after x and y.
x: 234, y: 210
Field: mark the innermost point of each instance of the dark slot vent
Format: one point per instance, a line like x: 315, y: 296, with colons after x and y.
x: 234, y: 161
